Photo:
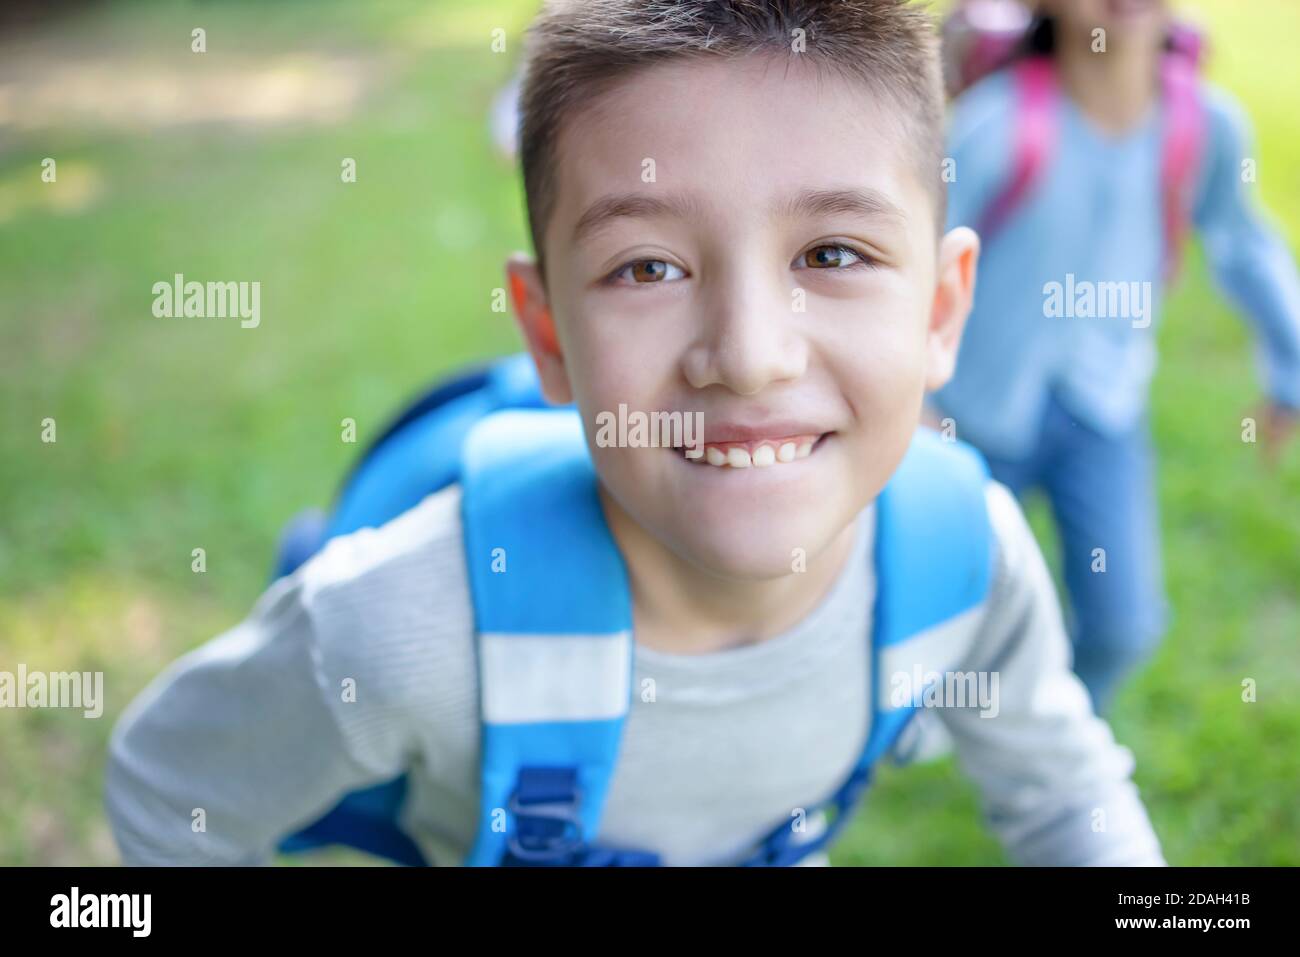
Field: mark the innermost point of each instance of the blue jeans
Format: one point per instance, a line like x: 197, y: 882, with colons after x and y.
x: 1102, y: 495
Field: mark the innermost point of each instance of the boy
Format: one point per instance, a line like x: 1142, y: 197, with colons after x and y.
x: 1055, y: 396
x: 735, y: 209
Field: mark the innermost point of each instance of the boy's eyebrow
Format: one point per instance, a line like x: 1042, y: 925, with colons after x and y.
x: 810, y: 202
x: 636, y: 205
x: 866, y: 202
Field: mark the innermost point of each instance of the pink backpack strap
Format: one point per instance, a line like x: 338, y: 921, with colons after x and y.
x: 1181, y: 149
x: 1035, y: 135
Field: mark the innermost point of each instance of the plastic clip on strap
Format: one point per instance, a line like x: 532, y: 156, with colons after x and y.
x: 548, y: 827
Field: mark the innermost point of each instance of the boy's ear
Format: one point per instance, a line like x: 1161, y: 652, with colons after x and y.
x: 528, y: 295
x: 954, y: 292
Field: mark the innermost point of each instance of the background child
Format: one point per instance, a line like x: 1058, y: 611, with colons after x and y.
x: 1058, y: 400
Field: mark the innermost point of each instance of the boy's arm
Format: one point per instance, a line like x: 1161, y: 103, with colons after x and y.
x: 265, y: 727
x: 1056, y: 786
x: 235, y: 744
x: 1249, y: 258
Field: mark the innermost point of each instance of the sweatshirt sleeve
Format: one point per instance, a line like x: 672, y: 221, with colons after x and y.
x: 1055, y: 785
x: 264, y: 728
x: 231, y: 746
x: 1250, y: 260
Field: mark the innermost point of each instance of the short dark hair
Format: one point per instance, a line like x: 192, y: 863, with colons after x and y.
x: 577, y: 49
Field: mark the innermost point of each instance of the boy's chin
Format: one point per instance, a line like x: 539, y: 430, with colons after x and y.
x: 765, y: 552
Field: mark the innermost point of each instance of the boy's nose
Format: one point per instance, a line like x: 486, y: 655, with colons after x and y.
x: 746, y: 343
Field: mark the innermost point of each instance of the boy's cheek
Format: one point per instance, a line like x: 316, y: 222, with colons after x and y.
x: 606, y: 377
x: 623, y: 362
x: 886, y: 354
x: 884, y: 382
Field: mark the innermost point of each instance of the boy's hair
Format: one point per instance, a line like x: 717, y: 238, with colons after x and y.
x: 578, y: 49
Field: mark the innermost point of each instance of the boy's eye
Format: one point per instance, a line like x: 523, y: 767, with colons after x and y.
x: 832, y: 256
x: 648, y: 270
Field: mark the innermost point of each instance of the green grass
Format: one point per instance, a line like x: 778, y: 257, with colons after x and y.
x: 178, y: 435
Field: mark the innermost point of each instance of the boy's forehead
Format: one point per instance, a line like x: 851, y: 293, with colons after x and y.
x: 734, y: 136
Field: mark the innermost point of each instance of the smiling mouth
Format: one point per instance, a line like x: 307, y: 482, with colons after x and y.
x: 757, y: 453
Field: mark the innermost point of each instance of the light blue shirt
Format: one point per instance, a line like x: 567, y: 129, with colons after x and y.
x: 1095, y: 216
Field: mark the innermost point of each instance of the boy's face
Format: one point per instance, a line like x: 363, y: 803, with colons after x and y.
x: 766, y: 257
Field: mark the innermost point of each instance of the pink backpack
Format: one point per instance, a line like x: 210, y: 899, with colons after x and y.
x: 982, y: 36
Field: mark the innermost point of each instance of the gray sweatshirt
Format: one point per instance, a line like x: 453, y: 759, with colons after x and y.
x: 361, y: 666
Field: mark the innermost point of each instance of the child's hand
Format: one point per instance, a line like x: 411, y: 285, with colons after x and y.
x: 1277, y: 426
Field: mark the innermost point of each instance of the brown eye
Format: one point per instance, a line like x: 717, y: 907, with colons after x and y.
x: 649, y: 270
x: 830, y: 257
x: 646, y: 271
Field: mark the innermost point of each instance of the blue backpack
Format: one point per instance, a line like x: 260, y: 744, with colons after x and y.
x: 554, y: 634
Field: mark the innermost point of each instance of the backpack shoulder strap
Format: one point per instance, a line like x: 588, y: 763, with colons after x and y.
x: 1035, y: 84
x: 934, y: 564
x: 417, y: 454
x: 934, y: 561
x: 1182, y: 146
x: 553, y: 618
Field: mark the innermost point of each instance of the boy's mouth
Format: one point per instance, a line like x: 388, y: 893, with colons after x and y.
x: 755, y: 453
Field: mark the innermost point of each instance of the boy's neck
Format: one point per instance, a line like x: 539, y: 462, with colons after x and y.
x: 679, y: 608
x: 1114, y: 89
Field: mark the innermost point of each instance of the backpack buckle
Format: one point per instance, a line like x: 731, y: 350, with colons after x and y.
x: 548, y: 826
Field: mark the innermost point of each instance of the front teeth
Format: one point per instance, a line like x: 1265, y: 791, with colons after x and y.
x: 739, y: 457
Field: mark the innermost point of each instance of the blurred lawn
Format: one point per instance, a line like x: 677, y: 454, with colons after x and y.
x: 178, y: 435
